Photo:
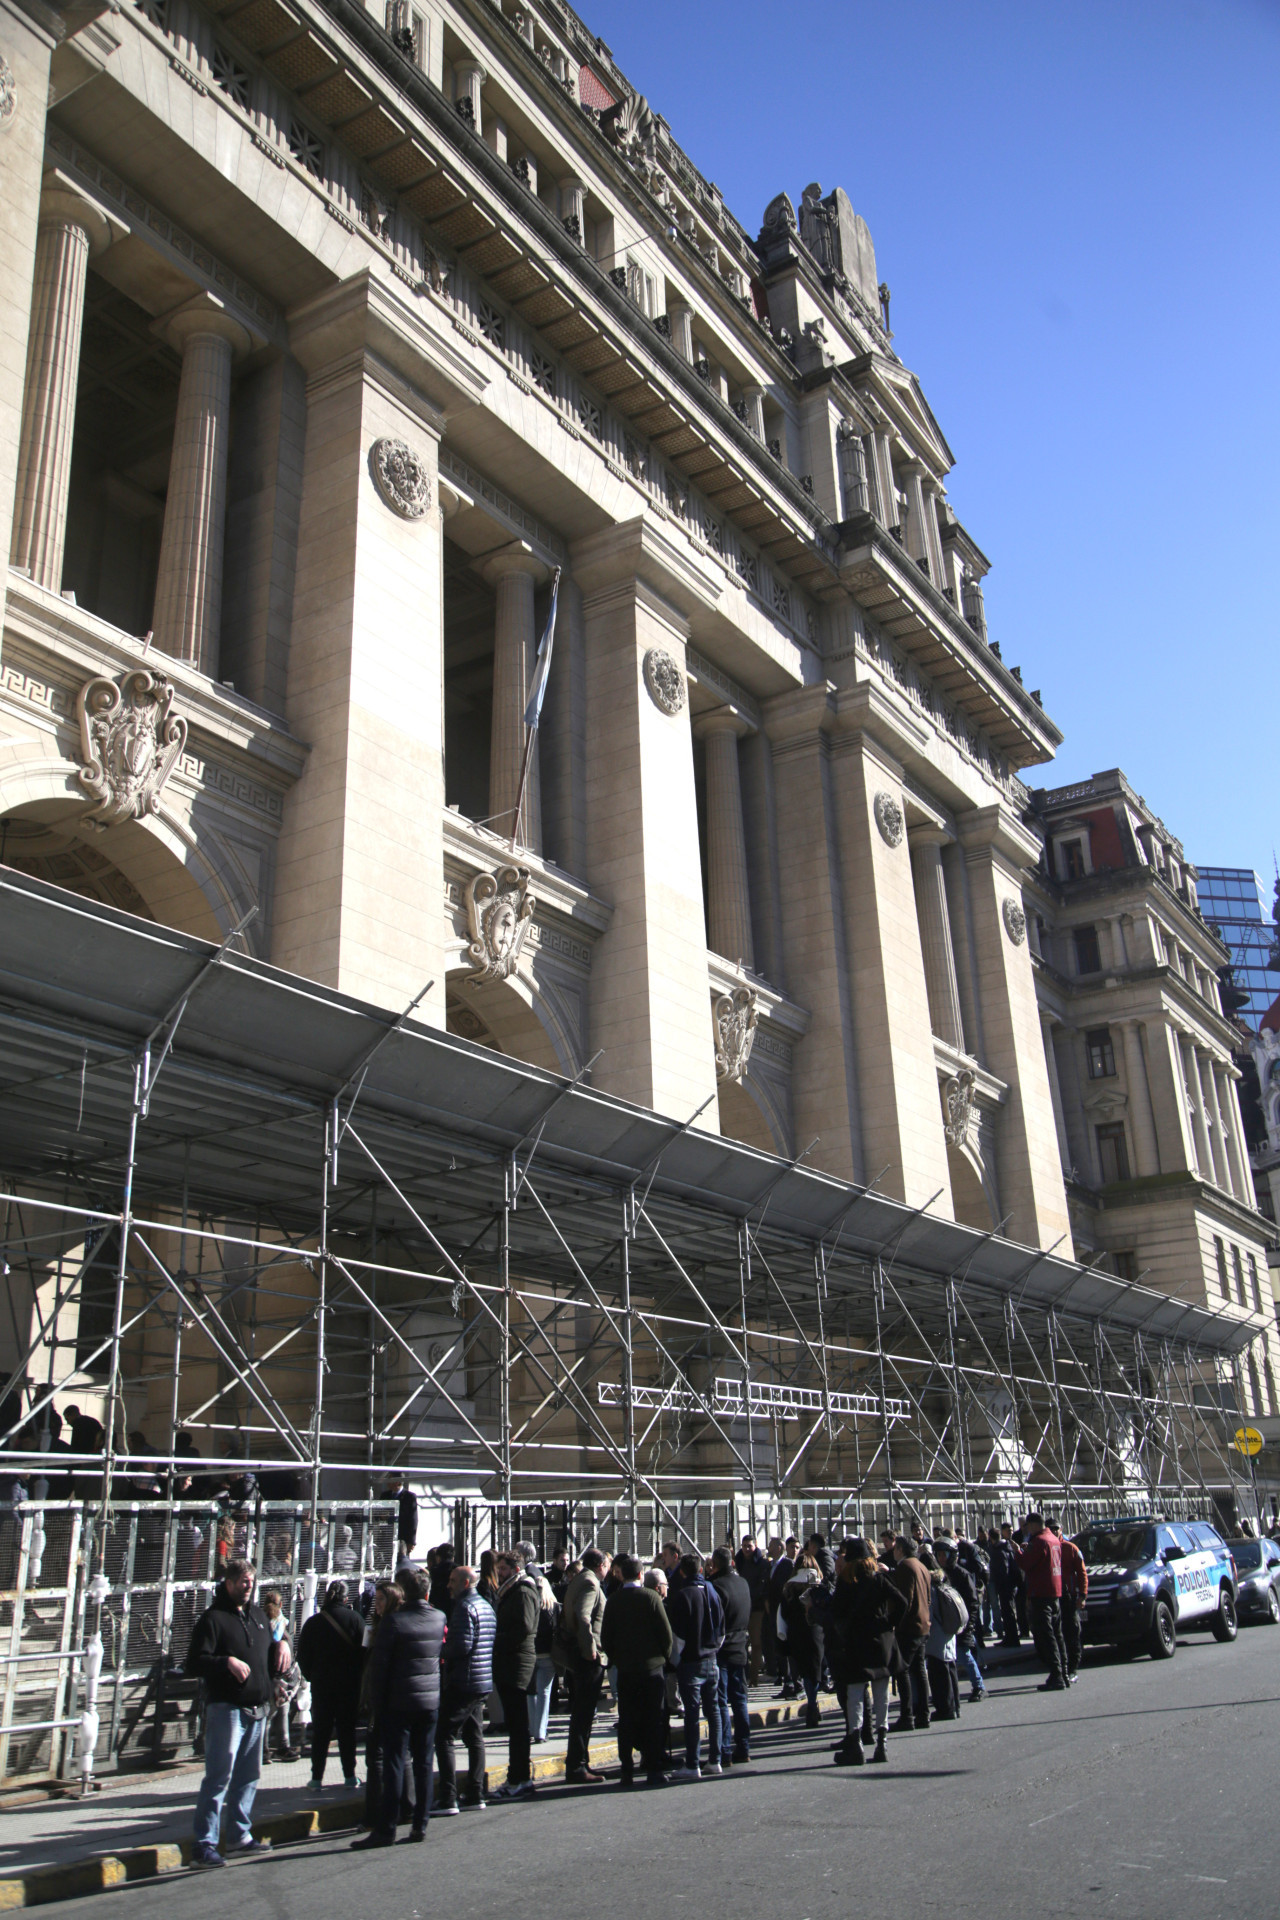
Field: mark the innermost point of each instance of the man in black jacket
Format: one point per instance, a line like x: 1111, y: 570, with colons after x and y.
x: 404, y: 1699
x: 635, y: 1637
x: 736, y: 1599
x: 697, y: 1623
x: 406, y: 1514
x: 233, y: 1652
x: 754, y: 1569
x: 781, y: 1571
x: 331, y: 1655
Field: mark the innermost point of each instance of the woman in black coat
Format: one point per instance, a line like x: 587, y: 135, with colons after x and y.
x: 330, y: 1653
x: 862, y: 1645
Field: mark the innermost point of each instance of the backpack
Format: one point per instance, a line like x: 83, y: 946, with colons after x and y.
x: 953, y: 1614
x: 544, y: 1638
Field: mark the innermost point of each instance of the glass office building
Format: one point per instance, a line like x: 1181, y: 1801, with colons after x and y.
x: 1232, y: 899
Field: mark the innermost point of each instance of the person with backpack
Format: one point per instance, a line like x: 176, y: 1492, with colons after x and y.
x: 1075, y: 1591
x: 697, y: 1626
x: 544, y: 1666
x: 866, y: 1611
x: 331, y: 1655
x: 949, y: 1552
x: 946, y: 1612
x: 802, y: 1626
x: 911, y: 1577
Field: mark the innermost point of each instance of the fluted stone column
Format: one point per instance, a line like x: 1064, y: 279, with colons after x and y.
x: 188, y: 604
x: 935, y: 935
x: 681, y: 318
x: 853, y: 469
x: 513, y: 574
x: 71, y: 230
x: 916, y: 539
x: 471, y: 79
x: 728, y: 888
x: 1229, y: 1107
x: 1144, y: 1127
x: 753, y: 398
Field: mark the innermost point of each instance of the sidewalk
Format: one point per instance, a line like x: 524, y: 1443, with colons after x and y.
x: 139, y: 1825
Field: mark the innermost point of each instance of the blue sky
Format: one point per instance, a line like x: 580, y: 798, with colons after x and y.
x: 1076, y: 207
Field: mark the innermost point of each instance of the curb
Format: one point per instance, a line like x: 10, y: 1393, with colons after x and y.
x: 105, y: 1872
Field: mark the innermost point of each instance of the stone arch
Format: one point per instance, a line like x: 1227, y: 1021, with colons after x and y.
x: 512, y: 1016
x: 971, y: 1193
x: 160, y: 860
x: 747, y: 1114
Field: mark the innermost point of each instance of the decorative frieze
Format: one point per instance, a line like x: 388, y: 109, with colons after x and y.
x: 130, y: 740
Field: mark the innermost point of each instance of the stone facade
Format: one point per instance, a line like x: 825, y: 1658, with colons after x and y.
x: 1140, y: 1054
x: 333, y: 334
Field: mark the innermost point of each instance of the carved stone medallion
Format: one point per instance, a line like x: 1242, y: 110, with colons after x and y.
x: 736, y: 1016
x: 1015, y: 920
x: 130, y: 740
x: 8, y: 95
x: 961, y: 1106
x: 400, y: 477
x: 664, y: 680
x: 889, y: 819
x: 499, y: 909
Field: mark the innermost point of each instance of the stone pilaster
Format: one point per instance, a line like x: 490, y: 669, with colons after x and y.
x: 1141, y: 1118
x: 997, y: 849
x: 513, y: 573
x: 1196, y: 1106
x: 935, y: 935
x: 650, y: 991
x: 900, y: 1112
x: 72, y: 228
x: 1213, y: 1116
x: 1229, y: 1107
x: 188, y: 605
x: 728, y: 889
x: 1170, y: 1099
x: 812, y: 919
x: 1047, y: 1023
x: 360, y: 887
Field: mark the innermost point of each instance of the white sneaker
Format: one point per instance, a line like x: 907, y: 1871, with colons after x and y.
x: 686, y: 1773
x: 713, y: 1768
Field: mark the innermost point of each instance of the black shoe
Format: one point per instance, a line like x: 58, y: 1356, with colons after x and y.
x: 372, y: 1840
x: 868, y: 1737
x: 879, y: 1757
x: 742, y: 1759
x: 851, y: 1756
x: 904, y: 1726
x: 626, y: 1779
x: 657, y: 1779
x: 922, y: 1726
x: 446, y: 1809
x: 1052, y: 1686
x: 416, y: 1833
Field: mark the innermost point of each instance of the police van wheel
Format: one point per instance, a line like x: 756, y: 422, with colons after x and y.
x: 1164, y: 1632
x: 1225, y: 1624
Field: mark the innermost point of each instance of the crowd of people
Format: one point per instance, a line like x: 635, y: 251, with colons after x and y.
x: 420, y: 1659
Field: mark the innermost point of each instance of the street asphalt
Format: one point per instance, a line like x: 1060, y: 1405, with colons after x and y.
x: 1148, y: 1790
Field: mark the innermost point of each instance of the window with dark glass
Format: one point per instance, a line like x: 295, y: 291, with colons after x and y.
x: 1112, y: 1152
x: 1102, y: 1056
x: 1088, y: 953
x: 1125, y: 1264
x: 1220, y: 1255
x: 1073, y: 859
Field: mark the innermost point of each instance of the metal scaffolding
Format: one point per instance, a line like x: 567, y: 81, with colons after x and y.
x: 318, y: 1242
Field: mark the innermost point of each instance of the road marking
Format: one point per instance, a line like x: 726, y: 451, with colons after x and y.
x: 1053, y: 1816
x: 1214, y: 1879
x: 1137, y: 1866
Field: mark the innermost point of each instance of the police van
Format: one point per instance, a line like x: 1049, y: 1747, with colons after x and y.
x: 1150, y: 1580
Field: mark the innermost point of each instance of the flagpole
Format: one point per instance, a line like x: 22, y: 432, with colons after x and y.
x: 535, y: 706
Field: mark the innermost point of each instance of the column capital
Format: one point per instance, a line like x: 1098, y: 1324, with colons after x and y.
x: 519, y: 557
x: 63, y: 200
x: 471, y: 69
x: 727, y: 719
x: 928, y: 833
x: 204, y: 315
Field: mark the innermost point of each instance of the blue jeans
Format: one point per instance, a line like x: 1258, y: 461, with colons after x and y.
x: 232, y: 1767
x: 544, y: 1679
x: 967, y: 1664
x: 699, y: 1682
x: 733, y: 1707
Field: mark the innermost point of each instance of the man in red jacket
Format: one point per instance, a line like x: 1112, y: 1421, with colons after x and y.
x: 1041, y: 1563
x: 1075, y: 1591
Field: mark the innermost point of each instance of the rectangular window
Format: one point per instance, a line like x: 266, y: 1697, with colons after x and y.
x: 1088, y: 953
x: 1125, y: 1264
x: 1238, y: 1269
x: 1113, y: 1152
x: 1073, y: 860
x: 1254, y: 1286
x: 1220, y: 1255
x: 1102, y: 1057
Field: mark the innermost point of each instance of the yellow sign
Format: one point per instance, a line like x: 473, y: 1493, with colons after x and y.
x: 1247, y: 1440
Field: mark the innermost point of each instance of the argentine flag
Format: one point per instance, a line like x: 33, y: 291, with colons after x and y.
x: 537, y: 693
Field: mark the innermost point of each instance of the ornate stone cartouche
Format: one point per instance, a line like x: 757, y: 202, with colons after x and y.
x: 664, y: 680
x: 400, y: 477
x: 736, y: 1016
x: 130, y: 740
x: 499, y: 909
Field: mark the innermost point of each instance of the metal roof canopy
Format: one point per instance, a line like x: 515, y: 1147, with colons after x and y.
x: 259, y: 1054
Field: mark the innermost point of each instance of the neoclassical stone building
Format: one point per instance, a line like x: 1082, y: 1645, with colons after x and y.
x: 329, y: 334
